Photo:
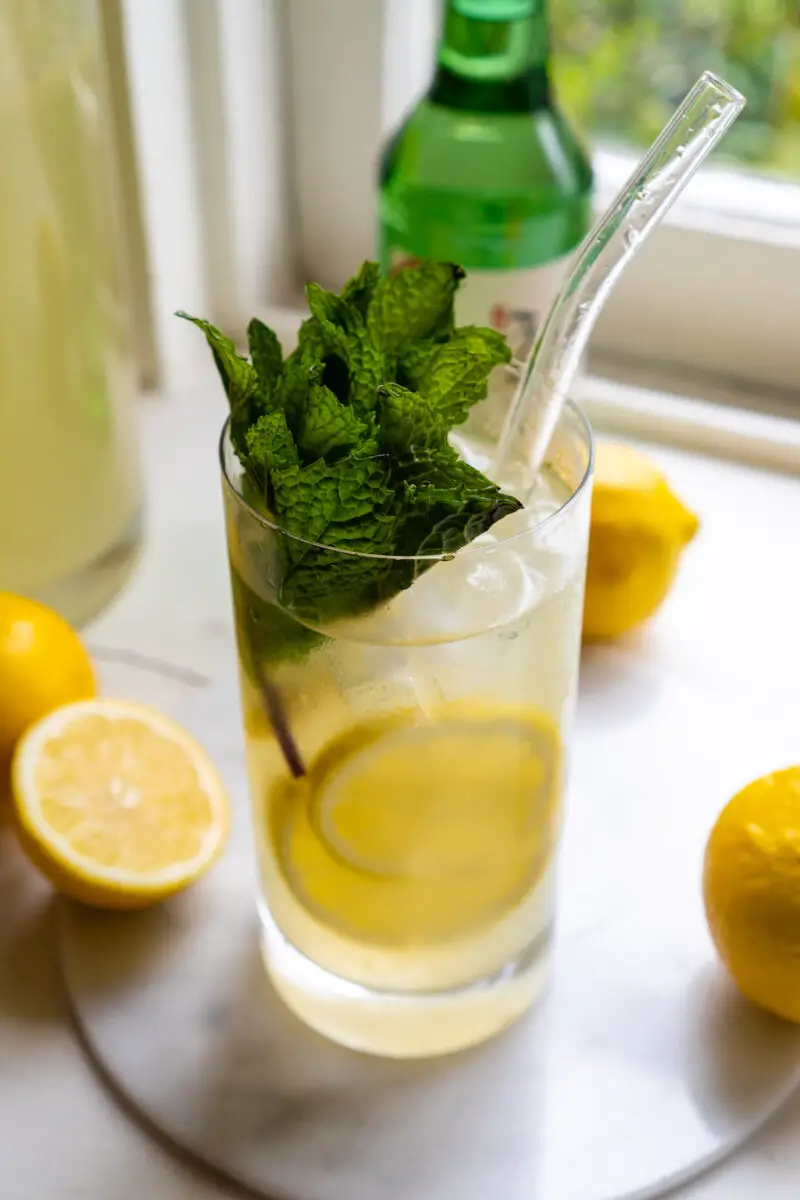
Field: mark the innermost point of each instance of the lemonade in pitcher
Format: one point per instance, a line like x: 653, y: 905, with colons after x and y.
x: 69, y: 481
x: 408, y: 636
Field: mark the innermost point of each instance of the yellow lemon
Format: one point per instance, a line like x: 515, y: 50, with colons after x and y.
x: 43, y: 664
x: 638, y: 531
x: 412, y: 830
x: 751, y: 886
x: 115, y: 804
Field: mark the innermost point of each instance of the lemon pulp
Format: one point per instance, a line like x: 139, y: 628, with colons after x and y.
x: 115, y: 804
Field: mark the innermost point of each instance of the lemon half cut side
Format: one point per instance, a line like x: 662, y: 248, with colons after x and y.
x: 117, y: 805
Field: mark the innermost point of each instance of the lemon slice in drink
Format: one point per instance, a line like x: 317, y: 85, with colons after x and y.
x: 411, y: 831
x: 116, y: 805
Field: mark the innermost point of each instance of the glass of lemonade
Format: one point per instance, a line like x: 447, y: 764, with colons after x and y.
x: 407, y: 767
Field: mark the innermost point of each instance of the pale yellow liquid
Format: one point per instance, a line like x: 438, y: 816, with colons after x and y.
x: 499, y: 634
x: 69, y: 482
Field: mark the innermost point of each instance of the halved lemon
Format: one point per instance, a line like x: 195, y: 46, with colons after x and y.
x: 409, y: 830
x: 117, y: 805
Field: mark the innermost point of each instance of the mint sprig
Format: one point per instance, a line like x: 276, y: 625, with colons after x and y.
x: 346, y: 440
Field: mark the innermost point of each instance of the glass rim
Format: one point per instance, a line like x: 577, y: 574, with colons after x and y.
x: 470, y: 548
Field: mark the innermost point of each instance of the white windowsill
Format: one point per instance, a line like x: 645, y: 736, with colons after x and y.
x: 755, y: 438
x: 719, y: 200
x: 716, y: 288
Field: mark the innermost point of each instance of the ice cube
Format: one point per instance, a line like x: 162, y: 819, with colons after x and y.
x: 486, y: 586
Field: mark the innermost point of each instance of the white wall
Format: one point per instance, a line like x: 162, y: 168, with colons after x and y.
x: 209, y: 104
x: 337, y: 126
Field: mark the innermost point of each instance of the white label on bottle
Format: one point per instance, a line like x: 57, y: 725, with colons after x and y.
x: 513, y: 302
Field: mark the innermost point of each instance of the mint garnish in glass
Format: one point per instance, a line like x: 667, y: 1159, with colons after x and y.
x: 345, y: 445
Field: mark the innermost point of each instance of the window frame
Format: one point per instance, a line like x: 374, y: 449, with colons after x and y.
x: 316, y: 89
x: 714, y: 293
x: 672, y: 314
x: 207, y: 91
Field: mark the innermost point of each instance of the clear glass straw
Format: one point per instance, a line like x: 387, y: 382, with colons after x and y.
x: 703, y: 118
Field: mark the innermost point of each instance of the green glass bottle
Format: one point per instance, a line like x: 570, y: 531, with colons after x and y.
x: 486, y: 172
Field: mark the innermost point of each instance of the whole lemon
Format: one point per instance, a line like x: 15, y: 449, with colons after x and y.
x: 638, y: 530
x: 43, y: 664
x: 751, y: 886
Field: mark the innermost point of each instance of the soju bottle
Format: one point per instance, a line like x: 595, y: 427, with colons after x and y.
x: 486, y: 172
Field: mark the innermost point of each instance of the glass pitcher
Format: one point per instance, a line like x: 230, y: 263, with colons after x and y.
x: 70, y: 496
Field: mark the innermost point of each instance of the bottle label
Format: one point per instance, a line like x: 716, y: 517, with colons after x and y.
x: 513, y: 302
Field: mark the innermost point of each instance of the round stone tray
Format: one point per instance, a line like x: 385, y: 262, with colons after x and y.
x: 641, y: 1070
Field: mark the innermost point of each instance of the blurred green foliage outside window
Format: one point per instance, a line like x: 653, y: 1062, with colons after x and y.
x: 622, y: 66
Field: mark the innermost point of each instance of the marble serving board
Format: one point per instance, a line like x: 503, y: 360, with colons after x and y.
x: 642, y: 1069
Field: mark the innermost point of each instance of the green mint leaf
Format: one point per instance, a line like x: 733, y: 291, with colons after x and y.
x: 330, y: 309
x: 267, y: 358
x: 494, y: 344
x: 345, y: 442
x: 415, y: 303
x: 336, y: 334
x: 456, y: 376
x: 413, y: 363
x: 311, y: 340
x: 335, y: 321
x: 321, y: 339
x: 300, y: 374
x: 239, y: 379
x: 368, y: 368
x: 270, y: 445
x: 349, y: 507
x: 322, y: 501
x: 327, y: 425
x: 440, y: 477
x: 409, y: 420
x: 363, y: 487
x: 265, y: 632
x: 352, y: 367
x: 328, y: 585
x: 358, y: 291
x: 238, y: 375
x: 448, y: 503
x: 305, y: 501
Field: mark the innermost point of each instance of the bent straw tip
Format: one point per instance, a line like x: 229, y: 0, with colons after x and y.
x: 709, y: 79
